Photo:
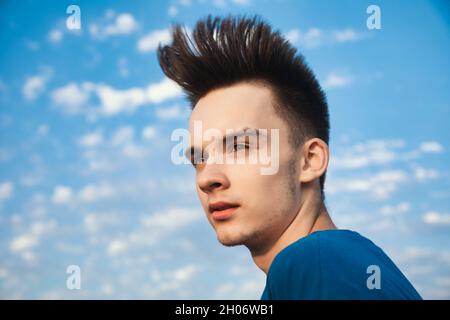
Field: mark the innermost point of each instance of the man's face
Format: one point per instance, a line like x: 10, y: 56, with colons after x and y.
x: 267, y: 203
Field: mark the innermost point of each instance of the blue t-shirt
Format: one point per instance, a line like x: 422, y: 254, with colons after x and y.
x: 335, y: 264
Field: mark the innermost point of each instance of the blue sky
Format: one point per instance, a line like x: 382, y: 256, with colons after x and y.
x: 85, y: 123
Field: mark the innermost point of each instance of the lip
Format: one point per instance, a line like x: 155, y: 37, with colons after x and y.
x: 223, y: 214
x: 222, y: 210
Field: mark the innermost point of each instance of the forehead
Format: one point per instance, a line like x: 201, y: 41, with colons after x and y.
x: 237, y: 106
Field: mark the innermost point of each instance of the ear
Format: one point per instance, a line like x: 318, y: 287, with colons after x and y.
x: 314, y: 160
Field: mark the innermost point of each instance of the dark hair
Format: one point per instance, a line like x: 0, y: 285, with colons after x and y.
x: 227, y: 51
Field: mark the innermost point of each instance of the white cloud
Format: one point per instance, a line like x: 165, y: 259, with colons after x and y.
x: 173, y: 8
x: 248, y: 289
x: 423, y: 174
x: 383, y: 152
x: 107, y: 289
x: 71, y: 97
x: 335, y: 80
x: 155, y: 226
x: 115, y: 101
x: 171, y: 220
x: 123, y: 135
x: 115, y: 151
x: 172, y: 11
x: 23, y: 242
x: 96, y: 222
x: 55, y: 36
x: 380, y: 185
x: 383, y: 184
x: 94, y: 30
x: 185, y: 273
x: 401, y: 208
x: 173, y: 112
x: 134, y: 151
x: 35, y: 85
x: 88, y: 194
x: 163, y: 90
x: 436, y: 218
x: 92, y: 192
x: 311, y: 38
x: 173, y: 280
x: 29, y: 256
x: 425, y: 147
x: 6, y: 190
x: 39, y: 228
x: 98, y: 164
x: 345, y: 35
x: 3, y: 273
x: 151, y: 41
x: 92, y: 139
x: 123, y: 24
x: 220, y: 3
x: 372, y: 152
x: 431, y: 146
x: 148, y: 133
x: 293, y: 35
x: 91, y: 223
x: 116, y: 247
x: 42, y: 130
x: 315, y: 37
x: 62, y: 194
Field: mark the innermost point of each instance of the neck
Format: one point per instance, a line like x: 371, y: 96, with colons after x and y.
x: 310, y: 218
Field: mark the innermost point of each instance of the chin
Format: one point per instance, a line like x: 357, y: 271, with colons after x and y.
x: 230, y: 239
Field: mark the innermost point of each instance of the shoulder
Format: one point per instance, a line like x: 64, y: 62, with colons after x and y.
x: 309, y: 252
x: 332, y: 264
x: 296, y: 270
x: 301, y: 254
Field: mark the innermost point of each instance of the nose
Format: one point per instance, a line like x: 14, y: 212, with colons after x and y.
x: 212, y: 178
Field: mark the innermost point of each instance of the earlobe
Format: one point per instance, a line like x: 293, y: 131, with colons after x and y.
x: 314, y: 161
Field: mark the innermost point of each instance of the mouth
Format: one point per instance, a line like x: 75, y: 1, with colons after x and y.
x: 222, y: 210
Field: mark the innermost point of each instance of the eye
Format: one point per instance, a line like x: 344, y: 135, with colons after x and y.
x: 198, y: 160
x: 240, y: 146
x: 237, y: 145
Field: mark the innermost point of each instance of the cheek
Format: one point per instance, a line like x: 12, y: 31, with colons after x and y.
x: 262, y: 193
x: 276, y: 193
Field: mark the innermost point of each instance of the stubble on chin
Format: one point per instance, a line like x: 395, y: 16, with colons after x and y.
x: 231, y: 238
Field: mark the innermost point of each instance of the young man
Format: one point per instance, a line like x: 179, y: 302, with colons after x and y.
x: 242, y: 77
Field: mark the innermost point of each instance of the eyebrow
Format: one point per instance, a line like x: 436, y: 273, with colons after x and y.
x: 240, y: 132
